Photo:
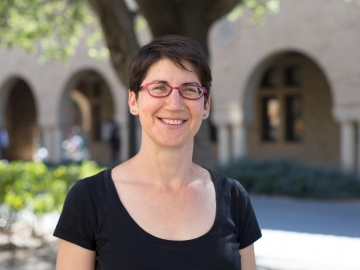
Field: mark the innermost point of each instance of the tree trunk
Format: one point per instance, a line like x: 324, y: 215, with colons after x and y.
x: 117, y: 24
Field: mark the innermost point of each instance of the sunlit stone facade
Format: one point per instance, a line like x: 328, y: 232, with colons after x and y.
x: 289, y: 87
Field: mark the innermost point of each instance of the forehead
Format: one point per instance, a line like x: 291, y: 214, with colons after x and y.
x: 167, y: 70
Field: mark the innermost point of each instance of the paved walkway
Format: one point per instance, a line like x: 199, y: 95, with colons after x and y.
x: 297, y: 235
x: 308, y: 216
x: 307, y: 235
x: 42, y: 258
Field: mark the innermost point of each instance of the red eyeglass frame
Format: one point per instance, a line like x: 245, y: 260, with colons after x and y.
x: 145, y: 86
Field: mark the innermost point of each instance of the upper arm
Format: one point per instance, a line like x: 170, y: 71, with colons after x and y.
x: 248, y: 258
x: 71, y: 256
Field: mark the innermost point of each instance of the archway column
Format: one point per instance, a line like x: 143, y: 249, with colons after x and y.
x: 52, y: 139
x: 239, y: 140
x: 223, y: 144
x: 348, y: 117
x: 347, y: 145
x: 358, y: 147
x: 231, y: 133
x: 123, y: 123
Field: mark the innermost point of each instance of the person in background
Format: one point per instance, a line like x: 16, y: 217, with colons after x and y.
x: 110, y: 133
x: 159, y: 210
x: 114, y: 142
x: 4, y: 142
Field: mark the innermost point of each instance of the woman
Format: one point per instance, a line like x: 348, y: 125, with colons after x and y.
x: 159, y: 210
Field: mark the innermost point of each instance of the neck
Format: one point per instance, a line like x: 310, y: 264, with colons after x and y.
x: 165, y: 167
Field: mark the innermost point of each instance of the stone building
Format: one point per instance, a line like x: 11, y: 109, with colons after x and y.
x: 41, y: 103
x: 289, y: 87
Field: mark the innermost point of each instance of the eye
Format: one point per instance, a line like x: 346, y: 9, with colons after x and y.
x: 158, y: 87
x: 190, y: 89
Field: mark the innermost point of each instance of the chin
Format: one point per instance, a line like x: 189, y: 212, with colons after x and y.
x: 175, y: 143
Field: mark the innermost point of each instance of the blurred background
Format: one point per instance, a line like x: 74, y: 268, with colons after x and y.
x: 285, y: 116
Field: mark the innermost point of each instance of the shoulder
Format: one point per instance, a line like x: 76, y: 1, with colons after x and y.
x: 94, y: 180
x: 83, y: 197
x: 79, y: 218
x: 231, y: 195
x: 228, y: 185
x: 88, y: 185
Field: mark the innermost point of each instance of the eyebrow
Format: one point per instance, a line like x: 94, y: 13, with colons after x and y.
x: 185, y: 83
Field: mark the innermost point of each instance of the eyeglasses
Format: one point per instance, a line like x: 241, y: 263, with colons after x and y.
x: 189, y: 91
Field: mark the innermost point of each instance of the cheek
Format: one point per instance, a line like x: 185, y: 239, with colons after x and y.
x: 198, y: 110
x: 147, y: 111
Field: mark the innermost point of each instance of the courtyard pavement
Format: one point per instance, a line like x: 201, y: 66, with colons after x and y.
x: 297, y: 235
x: 307, y: 235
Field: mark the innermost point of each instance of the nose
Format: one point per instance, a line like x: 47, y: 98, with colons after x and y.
x: 174, y: 102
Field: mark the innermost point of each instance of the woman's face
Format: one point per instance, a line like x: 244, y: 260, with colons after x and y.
x: 170, y: 121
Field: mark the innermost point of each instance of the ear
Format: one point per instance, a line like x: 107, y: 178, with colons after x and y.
x: 206, y: 111
x: 133, y: 106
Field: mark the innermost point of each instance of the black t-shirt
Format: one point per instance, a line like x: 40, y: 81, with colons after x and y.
x: 93, y: 217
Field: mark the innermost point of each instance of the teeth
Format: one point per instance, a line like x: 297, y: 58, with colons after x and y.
x: 172, y: 122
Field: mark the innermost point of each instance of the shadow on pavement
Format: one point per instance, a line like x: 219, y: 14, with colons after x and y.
x: 308, y: 216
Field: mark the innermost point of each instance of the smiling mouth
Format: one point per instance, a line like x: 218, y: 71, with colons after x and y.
x: 172, y: 122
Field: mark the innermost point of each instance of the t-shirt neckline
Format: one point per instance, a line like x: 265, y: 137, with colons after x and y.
x: 164, y: 242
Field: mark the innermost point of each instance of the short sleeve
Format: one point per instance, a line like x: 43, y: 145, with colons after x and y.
x: 249, y: 230
x: 77, y: 223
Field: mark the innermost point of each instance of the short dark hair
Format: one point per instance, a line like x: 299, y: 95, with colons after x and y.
x: 178, y: 49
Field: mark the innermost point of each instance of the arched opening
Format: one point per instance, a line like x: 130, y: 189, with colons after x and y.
x: 290, y: 113
x: 20, y: 122
x: 87, y: 119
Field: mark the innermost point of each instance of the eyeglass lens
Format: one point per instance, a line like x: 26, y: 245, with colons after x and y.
x: 189, y: 91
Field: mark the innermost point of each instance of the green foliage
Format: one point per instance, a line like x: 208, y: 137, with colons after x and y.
x: 51, y: 28
x: 257, y: 9
x: 96, y: 48
x: 285, y: 177
x: 37, y: 188
x: 33, y: 186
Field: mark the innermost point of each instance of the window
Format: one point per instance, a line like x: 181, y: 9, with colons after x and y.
x: 294, y: 126
x: 97, y: 89
x: 292, y: 76
x: 269, y: 78
x: 281, y: 104
x: 270, y: 118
